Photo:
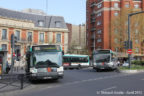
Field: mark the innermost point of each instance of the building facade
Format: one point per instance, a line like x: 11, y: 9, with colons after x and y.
x: 31, y: 29
x: 77, y: 38
x: 100, y: 33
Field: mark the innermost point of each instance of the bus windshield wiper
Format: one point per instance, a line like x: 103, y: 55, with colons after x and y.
x: 51, y: 64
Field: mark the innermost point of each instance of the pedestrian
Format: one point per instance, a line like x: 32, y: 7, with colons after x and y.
x: 7, y: 67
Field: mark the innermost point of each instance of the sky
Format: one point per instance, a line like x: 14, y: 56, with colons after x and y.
x: 73, y: 11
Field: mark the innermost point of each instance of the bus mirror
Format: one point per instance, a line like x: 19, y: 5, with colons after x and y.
x: 62, y: 52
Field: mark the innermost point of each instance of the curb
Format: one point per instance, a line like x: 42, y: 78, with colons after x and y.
x: 131, y: 71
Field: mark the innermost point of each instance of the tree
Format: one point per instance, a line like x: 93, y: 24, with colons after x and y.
x: 119, y: 30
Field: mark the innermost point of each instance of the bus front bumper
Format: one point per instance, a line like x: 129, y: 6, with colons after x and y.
x: 103, y: 67
x: 48, y: 75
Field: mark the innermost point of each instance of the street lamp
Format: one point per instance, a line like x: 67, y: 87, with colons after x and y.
x: 129, y: 33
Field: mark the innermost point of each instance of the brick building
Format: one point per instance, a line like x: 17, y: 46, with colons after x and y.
x: 31, y: 29
x: 99, y: 15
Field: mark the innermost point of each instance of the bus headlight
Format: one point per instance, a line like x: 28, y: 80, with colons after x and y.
x: 33, y: 70
x: 60, y: 69
x: 60, y: 73
x: 94, y: 63
x: 110, y: 64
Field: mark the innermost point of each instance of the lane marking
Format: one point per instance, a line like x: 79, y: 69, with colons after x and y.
x: 87, y: 80
x: 113, y: 87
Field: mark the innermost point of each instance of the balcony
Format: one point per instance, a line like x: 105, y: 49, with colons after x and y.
x: 4, y: 40
x: 93, y: 37
x: 93, y: 20
x: 93, y: 14
x: 92, y: 4
x: 93, y: 29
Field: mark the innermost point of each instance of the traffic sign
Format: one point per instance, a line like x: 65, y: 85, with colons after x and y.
x: 14, y: 54
x: 129, y: 51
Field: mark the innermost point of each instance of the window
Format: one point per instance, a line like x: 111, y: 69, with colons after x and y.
x: 136, y: 24
x: 116, y: 14
x: 17, y: 34
x: 137, y: 50
x: 41, y: 39
x: 136, y: 41
x: 99, y: 23
x: 99, y: 14
x: 136, y: 5
x: 136, y: 31
x: 4, y: 34
x: 4, y: 47
x: 58, y: 24
x: 116, y: 49
x: 29, y: 36
x: 99, y: 31
x: 116, y: 40
x: 40, y: 23
x: 127, y: 5
x: 58, y: 38
x: 99, y: 5
x: 116, y: 31
x: 116, y: 5
x: 126, y: 23
x: 99, y: 40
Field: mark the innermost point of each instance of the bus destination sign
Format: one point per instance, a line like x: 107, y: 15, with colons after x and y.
x: 46, y: 48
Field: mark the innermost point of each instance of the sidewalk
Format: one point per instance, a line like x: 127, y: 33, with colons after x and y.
x: 11, y: 82
x: 131, y: 71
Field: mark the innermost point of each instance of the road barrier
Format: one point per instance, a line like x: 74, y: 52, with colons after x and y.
x: 15, y: 81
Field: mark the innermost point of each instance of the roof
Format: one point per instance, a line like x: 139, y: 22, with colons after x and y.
x: 74, y: 55
x: 49, y: 21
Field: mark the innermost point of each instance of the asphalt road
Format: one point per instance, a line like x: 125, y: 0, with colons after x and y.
x: 87, y: 82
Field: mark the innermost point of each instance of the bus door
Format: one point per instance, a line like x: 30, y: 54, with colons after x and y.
x: 1, y: 62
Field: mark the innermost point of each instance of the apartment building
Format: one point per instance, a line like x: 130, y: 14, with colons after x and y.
x: 77, y: 37
x: 100, y: 34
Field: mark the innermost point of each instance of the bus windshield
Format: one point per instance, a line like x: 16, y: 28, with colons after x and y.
x: 46, y: 59
x: 102, y: 58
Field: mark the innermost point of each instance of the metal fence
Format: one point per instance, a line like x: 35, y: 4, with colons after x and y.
x: 13, y: 82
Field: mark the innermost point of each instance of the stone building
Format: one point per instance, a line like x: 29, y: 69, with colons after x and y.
x: 31, y: 29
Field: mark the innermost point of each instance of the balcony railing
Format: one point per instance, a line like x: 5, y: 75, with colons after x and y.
x: 93, y: 29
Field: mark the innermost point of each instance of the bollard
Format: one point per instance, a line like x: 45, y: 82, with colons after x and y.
x: 21, y: 80
x: 0, y: 69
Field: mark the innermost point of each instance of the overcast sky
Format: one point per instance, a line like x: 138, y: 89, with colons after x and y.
x: 74, y: 11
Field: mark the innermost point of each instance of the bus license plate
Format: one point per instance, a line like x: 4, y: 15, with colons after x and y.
x: 47, y: 77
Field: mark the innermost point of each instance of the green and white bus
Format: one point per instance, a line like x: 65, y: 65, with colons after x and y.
x: 74, y: 61
x: 45, y: 62
x: 104, y: 59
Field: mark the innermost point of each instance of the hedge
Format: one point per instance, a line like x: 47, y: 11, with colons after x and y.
x: 136, y: 62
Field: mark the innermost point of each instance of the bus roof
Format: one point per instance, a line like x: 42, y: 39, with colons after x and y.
x: 45, y: 47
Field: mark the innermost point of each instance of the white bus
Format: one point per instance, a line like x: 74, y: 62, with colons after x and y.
x: 104, y: 59
x: 74, y: 61
x: 45, y: 62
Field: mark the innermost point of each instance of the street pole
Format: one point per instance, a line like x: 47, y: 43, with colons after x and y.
x: 12, y: 57
x: 129, y: 55
x: 94, y: 41
x: 129, y: 33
